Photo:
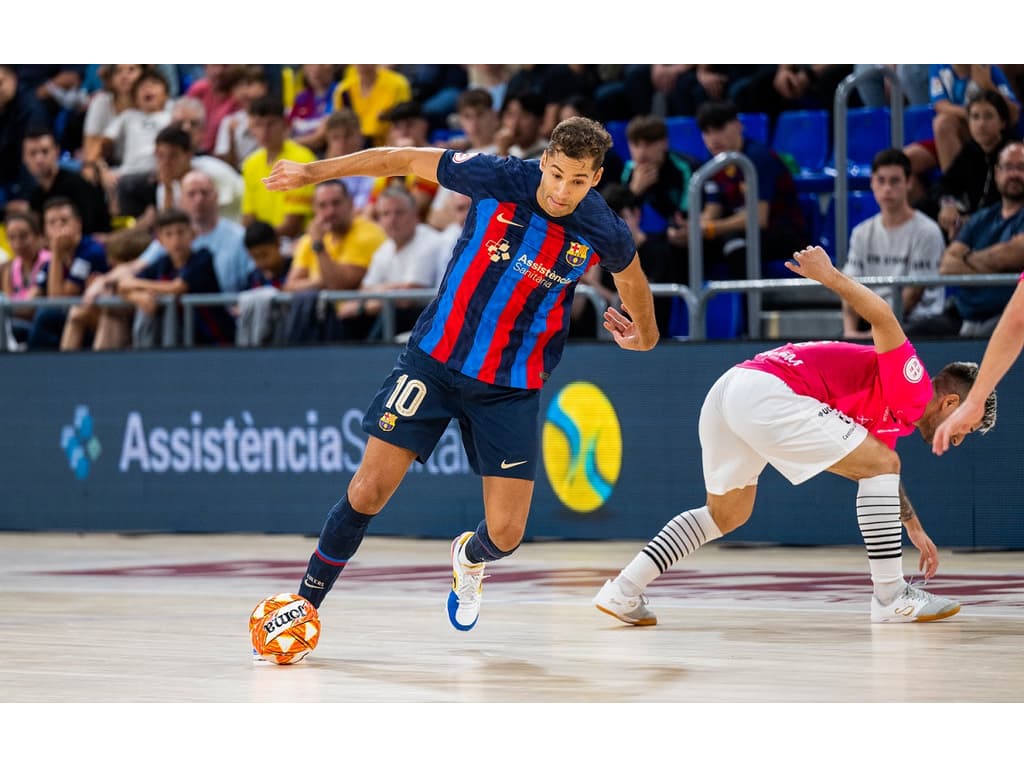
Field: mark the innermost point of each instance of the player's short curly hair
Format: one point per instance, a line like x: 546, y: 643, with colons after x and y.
x: 580, y: 138
x: 958, y: 378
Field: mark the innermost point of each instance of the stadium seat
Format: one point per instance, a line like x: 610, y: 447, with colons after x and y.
x: 617, y: 130
x: 755, y: 125
x: 861, y: 206
x: 803, y: 135
x: 810, y: 206
x: 867, y: 133
x: 684, y: 136
x: 917, y: 123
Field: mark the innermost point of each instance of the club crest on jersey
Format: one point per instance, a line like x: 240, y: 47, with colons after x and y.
x: 576, y: 254
x: 913, y: 370
x: 387, y: 422
x: 498, y: 250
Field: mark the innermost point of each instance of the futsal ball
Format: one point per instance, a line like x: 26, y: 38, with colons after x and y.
x: 284, y: 628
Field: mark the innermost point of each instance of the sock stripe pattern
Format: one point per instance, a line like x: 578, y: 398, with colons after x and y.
x: 879, y: 521
x: 680, y: 536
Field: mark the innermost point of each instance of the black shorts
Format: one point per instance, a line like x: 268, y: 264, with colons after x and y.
x: 421, y: 396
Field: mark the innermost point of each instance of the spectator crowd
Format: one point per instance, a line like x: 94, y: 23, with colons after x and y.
x: 144, y: 183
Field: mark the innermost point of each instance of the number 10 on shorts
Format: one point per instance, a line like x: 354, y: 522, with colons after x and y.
x: 407, y: 395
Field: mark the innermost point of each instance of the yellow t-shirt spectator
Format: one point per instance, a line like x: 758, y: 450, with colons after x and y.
x: 355, y: 247
x: 390, y: 88
x: 270, y: 206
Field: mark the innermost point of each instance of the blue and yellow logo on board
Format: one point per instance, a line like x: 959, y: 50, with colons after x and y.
x: 582, y: 446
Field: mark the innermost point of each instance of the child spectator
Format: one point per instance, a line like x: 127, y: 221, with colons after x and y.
x: 181, y: 270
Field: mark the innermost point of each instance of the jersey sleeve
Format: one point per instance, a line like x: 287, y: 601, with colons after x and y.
x: 906, y: 386
x: 481, y: 176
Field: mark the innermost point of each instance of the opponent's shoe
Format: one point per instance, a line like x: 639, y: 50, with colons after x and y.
x: 632, y: 610
x: 467, y: 588
x: 913, y: 604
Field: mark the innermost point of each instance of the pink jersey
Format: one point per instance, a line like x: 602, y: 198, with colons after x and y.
x: 886, y: 393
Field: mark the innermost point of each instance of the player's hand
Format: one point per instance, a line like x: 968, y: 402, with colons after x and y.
x: 812, y: 262
x: 928, y: 564
x: 288, y: 174
x: 958, y: 424
x: 622, y: 329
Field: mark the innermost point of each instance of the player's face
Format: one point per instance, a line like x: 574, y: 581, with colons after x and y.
x: 564, y: 182
x: 927, y: 426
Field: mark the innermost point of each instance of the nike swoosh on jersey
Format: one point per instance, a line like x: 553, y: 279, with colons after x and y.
x: 510, y: 464
x: 503, y: 220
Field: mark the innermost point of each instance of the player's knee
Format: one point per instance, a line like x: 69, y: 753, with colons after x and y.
x: 888, y: 463
x: 367, y: 493
x: 506, y: 535
x: 729, y: 518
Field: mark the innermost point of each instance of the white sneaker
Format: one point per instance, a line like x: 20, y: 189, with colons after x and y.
x: 632, y: 610
x: 467, y: 588
x: 913, y: 604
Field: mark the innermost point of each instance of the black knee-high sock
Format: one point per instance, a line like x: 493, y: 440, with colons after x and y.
x: 480, y: 548
x: 342, y: 533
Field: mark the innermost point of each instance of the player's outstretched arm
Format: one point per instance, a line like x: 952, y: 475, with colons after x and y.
x: 639, y: 331
x: 1002, y: 351
x: 378, y: 162
x: 813, y: 263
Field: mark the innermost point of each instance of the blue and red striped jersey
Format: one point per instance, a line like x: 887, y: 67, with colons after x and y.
x: 501, y: 314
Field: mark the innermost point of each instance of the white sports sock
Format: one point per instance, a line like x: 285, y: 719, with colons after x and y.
x: 878, y: 515
x: 681, y: 535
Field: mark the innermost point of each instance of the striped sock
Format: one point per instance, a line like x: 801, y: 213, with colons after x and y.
x: 341, y: 536
x: 878, y: 515
x: 681, y: 535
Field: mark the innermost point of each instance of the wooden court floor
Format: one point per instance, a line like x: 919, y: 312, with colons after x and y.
x: 163, y: 618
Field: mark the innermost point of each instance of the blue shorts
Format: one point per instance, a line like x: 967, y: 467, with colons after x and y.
x: 421, y: 396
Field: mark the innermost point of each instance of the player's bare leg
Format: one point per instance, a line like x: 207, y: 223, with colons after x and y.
x: 623, y: 597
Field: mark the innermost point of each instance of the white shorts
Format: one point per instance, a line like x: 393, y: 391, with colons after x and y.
x: 752, y: 418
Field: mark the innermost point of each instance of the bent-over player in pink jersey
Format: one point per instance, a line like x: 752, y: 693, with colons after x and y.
x: 813, y: 407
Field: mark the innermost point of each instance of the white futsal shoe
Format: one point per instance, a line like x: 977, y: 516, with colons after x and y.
x: 467, y: 588
x: 632, y: 610
x: 913, y: 604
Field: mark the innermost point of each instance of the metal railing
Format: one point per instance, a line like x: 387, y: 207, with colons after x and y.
x: 753, y: 232
x: 840, y: 143
x: 714, y: 288
x: 696, y: 301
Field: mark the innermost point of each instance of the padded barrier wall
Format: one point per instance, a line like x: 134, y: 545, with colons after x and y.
x: 266, y: 441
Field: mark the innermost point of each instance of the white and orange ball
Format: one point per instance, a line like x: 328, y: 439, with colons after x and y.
x: 284, y: 628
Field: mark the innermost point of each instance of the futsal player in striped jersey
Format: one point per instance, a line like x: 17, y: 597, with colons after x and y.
x: 483, y: 348
x: 814, y: 407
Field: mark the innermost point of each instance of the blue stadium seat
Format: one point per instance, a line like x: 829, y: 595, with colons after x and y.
x: 917, y: 123
x: 861, y: 206
x: 867, y: 133
x: 617, y: 130
x: 810, y: 206
x: 803, y: 135
x: 684, y: 136
x: 755, y: 125
x: 726, y: 317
